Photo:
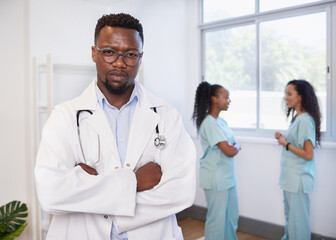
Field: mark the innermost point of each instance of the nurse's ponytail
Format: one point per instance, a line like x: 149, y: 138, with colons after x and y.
x: 202, y: 104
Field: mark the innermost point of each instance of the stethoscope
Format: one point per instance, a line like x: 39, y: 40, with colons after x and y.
x: 80, y: 142
x: 159, y: 141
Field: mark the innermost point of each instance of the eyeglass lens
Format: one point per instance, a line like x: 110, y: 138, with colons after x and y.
x: 130, y: 58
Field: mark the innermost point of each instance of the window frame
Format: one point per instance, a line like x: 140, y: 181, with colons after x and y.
x: 327, y: 6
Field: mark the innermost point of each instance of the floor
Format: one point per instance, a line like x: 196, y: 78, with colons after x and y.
x: 194, y: 229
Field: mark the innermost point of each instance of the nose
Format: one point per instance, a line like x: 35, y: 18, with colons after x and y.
x: 119, y: 61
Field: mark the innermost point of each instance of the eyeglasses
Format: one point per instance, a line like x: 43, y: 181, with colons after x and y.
x: 130, y: 58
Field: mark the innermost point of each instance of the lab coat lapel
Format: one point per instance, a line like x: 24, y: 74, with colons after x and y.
x: 98, y: 123
x: 143, y: 125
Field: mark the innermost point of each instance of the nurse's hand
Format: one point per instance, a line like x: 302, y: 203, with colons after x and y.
x: 237, y: 146
x: 88, y: 169
x: 148, y: 176
x: 277, y: 135
x: 281, y: 138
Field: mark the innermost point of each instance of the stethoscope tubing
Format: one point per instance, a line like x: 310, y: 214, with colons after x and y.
x: 80, y: 141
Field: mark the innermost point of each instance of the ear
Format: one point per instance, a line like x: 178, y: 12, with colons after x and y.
x: 93, y: 53
x: 213, y: 99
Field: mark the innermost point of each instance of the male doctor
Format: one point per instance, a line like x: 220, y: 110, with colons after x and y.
x: 115, y: 162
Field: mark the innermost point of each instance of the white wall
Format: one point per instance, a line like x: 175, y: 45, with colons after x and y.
x: 14, y: 117
x: 171, y: 68
x: 12, y: 93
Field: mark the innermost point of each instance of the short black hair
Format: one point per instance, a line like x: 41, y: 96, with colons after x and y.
x: 122, y: 20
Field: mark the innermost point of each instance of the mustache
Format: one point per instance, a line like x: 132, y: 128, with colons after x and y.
x: 117, y: 73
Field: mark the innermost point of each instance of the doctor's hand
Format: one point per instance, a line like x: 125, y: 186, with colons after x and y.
x: 88, y: 169
x: 148, y: 176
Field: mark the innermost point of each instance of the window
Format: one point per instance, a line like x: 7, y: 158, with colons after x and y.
x: 214, y: 10
x: 290, y: 50
x: 266, y: 5
x: 230, y: 61
x: 254, y: 52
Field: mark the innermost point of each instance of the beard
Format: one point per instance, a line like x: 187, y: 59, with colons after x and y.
x: 116, y: 90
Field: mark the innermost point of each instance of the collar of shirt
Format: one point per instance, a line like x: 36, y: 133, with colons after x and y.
x: 103, y: 101
x: 119, y: 120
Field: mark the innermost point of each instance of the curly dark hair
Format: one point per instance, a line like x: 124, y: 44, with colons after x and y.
x: 309, y: 103
x: 202, y: 104
x: 121, y: 20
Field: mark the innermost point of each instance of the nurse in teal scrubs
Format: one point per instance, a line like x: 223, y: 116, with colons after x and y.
x: 217, y: 168
x: 297, y: 158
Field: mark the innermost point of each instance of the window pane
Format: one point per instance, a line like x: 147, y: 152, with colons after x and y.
x: 221, y: 9
x: 291, y: 48
x: 266, y: 5
x: 230, y: 62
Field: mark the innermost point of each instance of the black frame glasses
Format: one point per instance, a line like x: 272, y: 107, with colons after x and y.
x: 130, y: 58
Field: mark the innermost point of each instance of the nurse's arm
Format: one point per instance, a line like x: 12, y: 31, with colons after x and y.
x: 228, y: 149
x: 307, y: 152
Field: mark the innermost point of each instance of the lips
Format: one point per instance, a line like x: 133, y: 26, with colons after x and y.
x: 117, y: 76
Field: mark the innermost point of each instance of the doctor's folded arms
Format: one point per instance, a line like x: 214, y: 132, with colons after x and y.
x: 115, y: 162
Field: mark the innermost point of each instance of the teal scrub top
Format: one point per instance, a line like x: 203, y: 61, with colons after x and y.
x: 293, y: 168
x: 217, y: 171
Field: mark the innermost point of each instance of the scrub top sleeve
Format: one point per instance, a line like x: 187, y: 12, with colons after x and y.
x: 306, y: 131
x: 213, y: 132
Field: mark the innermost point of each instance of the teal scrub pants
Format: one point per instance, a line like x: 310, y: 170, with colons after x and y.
x: 222, y: 216
x: 297, y: 214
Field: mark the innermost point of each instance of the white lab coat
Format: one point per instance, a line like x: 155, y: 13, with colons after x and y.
x: 83, y: 205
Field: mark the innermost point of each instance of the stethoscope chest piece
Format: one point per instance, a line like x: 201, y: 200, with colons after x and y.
x: 160, y: 141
